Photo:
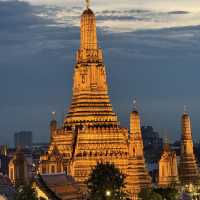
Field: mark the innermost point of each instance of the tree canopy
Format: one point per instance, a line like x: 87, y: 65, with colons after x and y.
x: 159, y: 194
x: 106, y: 182
x: 149, y: 194
x: 26, y: 193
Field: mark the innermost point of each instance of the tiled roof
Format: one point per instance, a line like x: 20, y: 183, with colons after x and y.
x: 60, y: 186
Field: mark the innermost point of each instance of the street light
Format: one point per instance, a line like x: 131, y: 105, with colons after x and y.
x: 108, y: 193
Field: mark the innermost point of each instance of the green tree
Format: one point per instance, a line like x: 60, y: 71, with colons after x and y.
x: 106, y: 182
x: 167, y: 193
x: 26, y: 193
x: 149, y: 194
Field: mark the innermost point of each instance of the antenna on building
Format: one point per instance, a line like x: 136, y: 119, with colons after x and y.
x: 87, y: 3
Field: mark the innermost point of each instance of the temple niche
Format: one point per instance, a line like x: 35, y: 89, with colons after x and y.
x: 91, y: 131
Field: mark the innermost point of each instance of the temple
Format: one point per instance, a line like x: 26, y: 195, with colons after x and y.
x: 188, y: 169
x: 168, y: 169
x: 137, y: 174
x: 91, y: 131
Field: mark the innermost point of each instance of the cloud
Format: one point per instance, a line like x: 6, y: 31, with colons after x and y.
x: 125, y: 17
x: 38, y: 44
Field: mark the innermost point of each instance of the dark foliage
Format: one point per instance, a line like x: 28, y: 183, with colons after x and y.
x: 167, y: 193
x: 149, y: 194
x: 106, y: 182
x: 159, y: 194
x: 26, y: 193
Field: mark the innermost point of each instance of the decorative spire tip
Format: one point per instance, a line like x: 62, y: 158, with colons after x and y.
x: 53, y: 115
x: 166, y: 139
x: 135, y: 104
x: 87, y: 3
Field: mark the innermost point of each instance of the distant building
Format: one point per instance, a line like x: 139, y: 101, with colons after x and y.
x: 20, y: 168
x: 4, y: 150
x: 151, y: 137
x: 38, y: 149
x: 4, y: 160
x: 23, y: 139
x: 152, y: 143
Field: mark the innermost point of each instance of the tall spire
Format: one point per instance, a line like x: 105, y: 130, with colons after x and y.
x: 88, y: 29
x: 188, y: 166
x: 53, y: 124
x: 136, y: 134
x: 137, y: 174
x: 87, y: 3
x: 166, y: 146
x: 90, y: 101
x: 186, y: 127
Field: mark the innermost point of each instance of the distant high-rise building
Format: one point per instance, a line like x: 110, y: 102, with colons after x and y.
x: 23, y: 139
x: 152, y: 143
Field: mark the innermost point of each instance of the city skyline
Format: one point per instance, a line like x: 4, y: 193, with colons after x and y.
x: 157, y: 63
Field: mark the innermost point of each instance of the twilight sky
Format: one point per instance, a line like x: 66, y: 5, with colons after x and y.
x: 151, y: 50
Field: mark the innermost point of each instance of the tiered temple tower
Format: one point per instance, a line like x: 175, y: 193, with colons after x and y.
x: 137, y: 174
x: 91, y: 132
x: 168, y: 171
x: 188, y: 169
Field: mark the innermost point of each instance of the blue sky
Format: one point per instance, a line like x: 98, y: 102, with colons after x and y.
x: 151, y: 52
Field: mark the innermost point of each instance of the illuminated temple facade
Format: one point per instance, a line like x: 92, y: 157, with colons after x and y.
x: 168, y: 170
x: 186, y: 172
x: 91, y: 131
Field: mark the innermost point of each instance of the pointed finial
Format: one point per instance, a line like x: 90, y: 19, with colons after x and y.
x: 166, y: 139
x: 135, y: 104
x: 166, y: 143
x: 53, y: 115
x: 87, y: 3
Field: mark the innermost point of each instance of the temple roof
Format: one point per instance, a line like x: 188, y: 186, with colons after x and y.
x: 88, y: 11
x: 59, y: 186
